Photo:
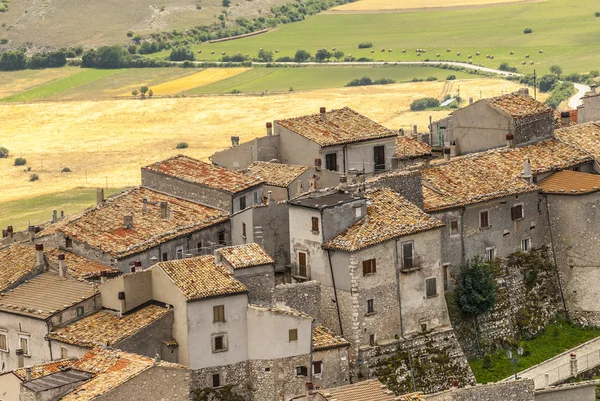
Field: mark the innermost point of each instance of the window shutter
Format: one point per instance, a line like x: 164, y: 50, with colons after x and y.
x: 513, y: 213
x: 373, y: 265
x: 365, y: 269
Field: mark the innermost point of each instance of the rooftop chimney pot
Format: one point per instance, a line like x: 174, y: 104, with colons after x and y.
x: 54, y: 216
x: 128, y: 221
x: 62, y: 267
x: 164, y: 210
x: 99, y: 196
x: 527, y: 170
x: 235, y: 141
x: 28, y: 373
x: 323, y: 115
x: 269, y: 129
x: 217, y: 257
x: 269, y: 197
x: 343, y: 183
x: 510, y: 140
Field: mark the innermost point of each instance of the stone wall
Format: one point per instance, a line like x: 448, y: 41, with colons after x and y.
x: 534, y: 128
x: 527, y: 299
x: 511, y: 391
x: 335, y: 368
x: 148, y: 340
x: 304, y: 297
x: 437, y: 352
x: 407, y: 184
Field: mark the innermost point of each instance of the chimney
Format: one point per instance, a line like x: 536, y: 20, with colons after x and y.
x: 137, y: 266
x: 527, y: 170
x: 447, y: 153
x: 269, y: 197
x: 269, y: 129
x: 218, y: 256
x: 164, y: 210
x: 593, y: 87
x: 28, y: 373
x: 353, y: 176
x: 9, y: 231
x: 343, y: 183
x: 426, y: 161
x: 565, y: 117
x: 323, y: 115
x: 318, y: 163
x: 121, y: 297
x: 299, y: 188
x: 415, y: 129
x: 103, y: 276
x: 128, y: 221
x: 54, y: 216
x: 235, y: 141
x: 62, y: 214
x: 510, y: 140
x: 62, y: 267
x: 401, y: 132
x: 31, y: 232
x: 99, y: 196
x: 20, y: 359
x: 39, y: 248
x: 470, y: 100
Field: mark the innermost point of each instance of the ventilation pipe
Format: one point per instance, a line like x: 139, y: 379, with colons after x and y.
x: 269, y: 129
x: 565, y: 117
x: 39, y: 251
x: 121, y: 296
x: 164, y: 210
x: 323, y: 115
x: 235, y: 141
x: 62, y: 266
x: 343, y: 186
x: 527, y: 171
x: 128, y: 221
x: 99, y: 196
x: 28, y: 373
x: 510, y: 140
x: 447, y: 153
x: 269, y: 198
x: 217, y: 257
x: 54, y: 216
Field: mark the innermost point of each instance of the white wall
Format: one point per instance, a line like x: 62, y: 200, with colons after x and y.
x: 10, y: 387
x: 36, y: 329
x: 302, y: 239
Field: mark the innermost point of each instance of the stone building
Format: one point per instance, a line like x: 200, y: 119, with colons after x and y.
x: 585, y: 137
x: 409, y: 152
x: 590, y: 109
x: 329, y: 359
x: 139, y: 227
x: 485, y: 124
x: 203, y: 183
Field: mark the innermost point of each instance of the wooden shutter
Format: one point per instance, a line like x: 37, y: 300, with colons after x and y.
x: 315, y: 224
x: 431, y: 284
x: 365, y: 267
x: 373, y: 266
x: 513, y: 213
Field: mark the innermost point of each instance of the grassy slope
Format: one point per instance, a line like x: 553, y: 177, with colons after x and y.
x: 556, y: 339
x: 38, y: 209
x: 567, y: 32
x: 282, y: 79
x: 12, y: 82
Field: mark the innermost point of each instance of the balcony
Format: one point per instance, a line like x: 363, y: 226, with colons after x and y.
x: 299, y: 272
x: 411, y: 264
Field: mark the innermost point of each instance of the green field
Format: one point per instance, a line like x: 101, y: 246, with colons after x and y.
x: 38, y: 210
x: 566, y: 31
x: 260, y: 80
x: 556, y: 339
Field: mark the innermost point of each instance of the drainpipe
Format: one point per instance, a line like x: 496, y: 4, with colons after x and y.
x: 337, y: 304
x: 398, y: 287
x: 462, y: 236
x: 310, y: 360
x: 48, y: 339
x: 562, y: 295
x: 345, y: 151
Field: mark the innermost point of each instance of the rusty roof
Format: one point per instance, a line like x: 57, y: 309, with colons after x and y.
x: 388, y: 216
x: 368, y: 390
x: 199, y: 277
x: 202, y: 173
x: 276, y: 174
x: 570, y: 183
x: 45, y: 295
x: 16, y: 263
x: 103, y: 226
x: 247, y: 255
x: 323, y: 338
x: 518, y: 105
x: 78, y: 266
x: 585, y: 137
x: 107, y: 328
x: 410, y: 148
x: 339, y: 127
x: 44, y: 369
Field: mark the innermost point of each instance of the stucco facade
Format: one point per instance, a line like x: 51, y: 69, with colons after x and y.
x: 589, y: 110
x: 264, y: 149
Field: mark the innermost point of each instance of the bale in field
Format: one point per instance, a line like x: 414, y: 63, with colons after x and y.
x: 276, y: 50
x: 437, y: 55
x: 531, y: 62
x: 389, y: 50
x: 491, y: 57
x: 333, y: 48
x: 382, y: 50
x: 222, y: 53
x: 403, y: 50
x: 372, y: 51
x: 487, y: 56
x: 541, y: 51
x: 458, y: 53
x: 511, y: 52
x: 469, y: 56
x: 477, y: 54
x: 212, y: 52
x: 527, y: 56
x: 199, y: 51
x: 418, y: 54
x: 524, y: 62
x: 448, y: 50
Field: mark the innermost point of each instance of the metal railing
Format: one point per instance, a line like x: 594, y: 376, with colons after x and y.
x: 202, y: 251
x: 414, y: 263
x: 568, y: 370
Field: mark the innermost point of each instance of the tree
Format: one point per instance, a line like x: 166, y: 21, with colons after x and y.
x: 265, y: 56
x: 424, y: 103
x: 105, y: 57
x: 12, y: 61
x: 322, y: 55
x: 135, y: 92
x: 548, y: 82
x: 556, y: 70
x: 150, y: 93
x: 301, y: 56
x: 476, y: 287
x: 143, y: 91
x: 3, y: 152
x: 182, y: 53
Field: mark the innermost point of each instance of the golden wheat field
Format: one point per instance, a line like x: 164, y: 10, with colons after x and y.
x: 388, y: 5
x: 104, y: 143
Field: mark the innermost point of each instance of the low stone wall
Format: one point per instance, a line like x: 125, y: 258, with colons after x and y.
x: 304, y: 297
x: 513, y: 391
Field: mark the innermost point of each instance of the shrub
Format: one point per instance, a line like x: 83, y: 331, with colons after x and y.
x: 506, y: 67
x: 34, y: 177
x: 528, y: 30
x: 235, y: 58
x: 129, y: 34
x: 424, y: 103
x: 431, y: 78
x: 364, y: 81
x: 65, y: 170
x: 226, y: 3
x: 365, y: 45
x: 301, y: 56
x: 12, y: 61
x: 561, y: 92
x: 476, y: 287
x: 364, y: 59
x: 264, y: 56
x: 182, y: 53
x: 143, y: 91
x: 47, y: 60
x: 450, y: 77
x: 323, y: 55
x: 487, y: 361
x: 3, y: 41
x: 105, y: 57
x: 547, y: 83
x: 556, y: 70
x: 20, y: 161
x: 182, y: 145
x: 338, y: 54
x: 3, y: 152
x: 285, y: 59
x: 597, y: 14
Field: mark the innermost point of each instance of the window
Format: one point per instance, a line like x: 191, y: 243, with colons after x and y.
x: 526, y: 244
x: 242, y: 202
x: 431, y: 287
x: 165, y: 256
x: 453, y: 227
x: 219, y: 343
x: 370, y: 306
x: 293, y: 335
x: 302, y: 264
x: 379, y: 158
x: 490, y: 254
x: 369, y: 267
x: 216, y: 380
x: 407, y: 255
x: 179, y: 252
x: 244, y: 230
x: 218, y: 313
x: 516, y: 212
x: 315, y: 224
x: 331, y: 161
x: 24, y: 345
x: 446, y: 269
x: 68, y: 242
x: 80, y: 311
x: 64, y: 353
x: 256, y: 198
x: 221, y: 238
x: 358, y: 212
x: 317, y: 367
x: 132, y: 267
x: 484, y: 219
x: 4, y: 342
x: 301, y: 371
x: 199, y: 247
x: 372, y: 339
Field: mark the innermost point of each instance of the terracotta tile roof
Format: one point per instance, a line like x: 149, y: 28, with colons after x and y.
x: 202, y: 173
x: 44, y: 369
x: 388, y: 216
x: 16, y: 263
x: 340, y: 127
x: 583, y: 136
x: 411, y: 397
x: 518, y: 105
x: 45, y: 295
x: 410, y: 148
x: 199, y: 277
x: 110, y: 369
x: 107, y: 328
x: 103, y: 228
x: 78, y: 266
x: 496, y: 173
x: 368, y: 390
x: 280, y: 309
x: 570, y: 183
x: 276, y: 174
x: 247, y: 255
x: 323, y: 339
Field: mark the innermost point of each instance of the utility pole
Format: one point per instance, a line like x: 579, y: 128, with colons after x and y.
x: 534, y: 85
